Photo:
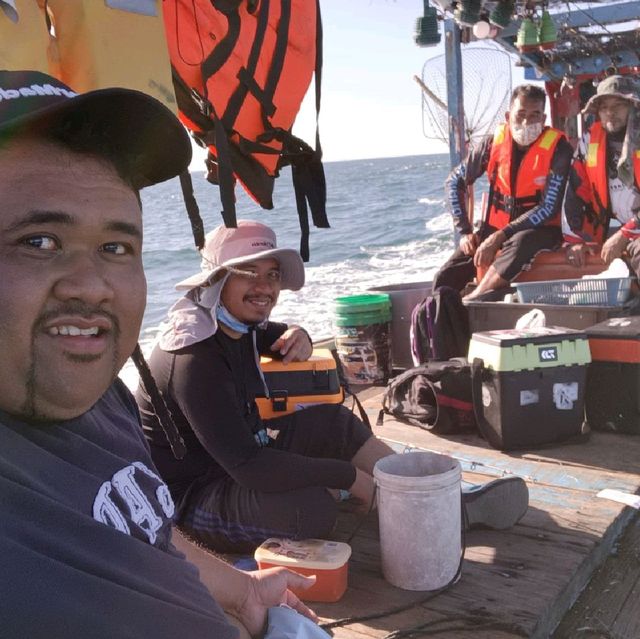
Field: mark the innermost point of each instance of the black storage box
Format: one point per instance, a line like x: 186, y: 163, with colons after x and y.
x: 529, y: 385
x: 613, y: 377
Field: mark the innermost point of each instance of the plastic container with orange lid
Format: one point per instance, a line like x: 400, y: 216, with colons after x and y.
x: 327, y: 560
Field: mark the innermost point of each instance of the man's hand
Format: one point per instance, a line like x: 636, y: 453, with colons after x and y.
x: 468, y: 243
x: 613, y: 247
x: 267, y: 588
x: 294, y: 345
x: 363, y: 490
x: 487, y: 250
x: 245, y: 595
x: 576, y: 254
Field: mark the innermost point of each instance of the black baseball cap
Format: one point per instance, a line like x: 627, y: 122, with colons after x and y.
x: 139, y: 127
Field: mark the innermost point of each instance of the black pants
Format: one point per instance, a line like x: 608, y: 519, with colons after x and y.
x: 229, y: 518
x: 516, y: 254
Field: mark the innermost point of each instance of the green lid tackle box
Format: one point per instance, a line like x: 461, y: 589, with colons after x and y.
x: 613, y: 378
x: 296, y: 385
x: 529, y: 385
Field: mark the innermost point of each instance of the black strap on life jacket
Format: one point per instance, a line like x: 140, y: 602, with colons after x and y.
x: 213, y: 132
x: 246, y: 75
x: 515, y: 206
x: 309, y: 181
x: 223, y: 49
x: 224, y: 122
x: 193, y: 211
x: 277, y: 64
x: 602, y: 216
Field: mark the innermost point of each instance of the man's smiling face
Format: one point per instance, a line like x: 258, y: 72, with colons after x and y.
x: 251, y: 298
x: 72, y: 286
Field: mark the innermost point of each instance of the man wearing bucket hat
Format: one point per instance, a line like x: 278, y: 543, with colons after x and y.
x: 237, y: 484
x: 245, y: 479
x: 85, y: 521
x: 605, y: 176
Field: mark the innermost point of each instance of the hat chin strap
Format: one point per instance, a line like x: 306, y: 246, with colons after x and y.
x: 224, y: 316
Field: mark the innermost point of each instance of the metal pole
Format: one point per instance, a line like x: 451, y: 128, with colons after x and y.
x: 455, y: 102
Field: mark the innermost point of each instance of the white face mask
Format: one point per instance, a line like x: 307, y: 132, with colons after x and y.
x: 526, y: 135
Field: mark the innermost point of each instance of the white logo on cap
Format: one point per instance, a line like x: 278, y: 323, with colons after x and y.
x: 34, y: 90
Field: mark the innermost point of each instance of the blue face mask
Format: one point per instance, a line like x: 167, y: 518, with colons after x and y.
x: 223, y: 315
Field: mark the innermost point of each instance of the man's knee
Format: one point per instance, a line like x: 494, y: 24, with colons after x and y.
x: 315, y: 512
x: 456, y: 272
x: 546, y: 237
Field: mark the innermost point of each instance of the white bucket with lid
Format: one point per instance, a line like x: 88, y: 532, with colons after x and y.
x: 420, y: 519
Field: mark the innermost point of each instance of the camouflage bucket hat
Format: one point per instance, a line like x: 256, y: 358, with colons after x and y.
x: 619, y: 86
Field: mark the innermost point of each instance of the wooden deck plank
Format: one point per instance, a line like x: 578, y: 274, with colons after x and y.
x: 576, y: 466
x: 525, y: 579
x: 608, y: 607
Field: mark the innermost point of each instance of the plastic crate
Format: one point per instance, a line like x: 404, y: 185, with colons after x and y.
x: 612, y: 291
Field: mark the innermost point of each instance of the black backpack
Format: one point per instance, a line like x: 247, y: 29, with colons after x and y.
x: 440, y: 327
x: 435, y: 396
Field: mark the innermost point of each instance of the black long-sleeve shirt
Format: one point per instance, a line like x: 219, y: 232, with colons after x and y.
x: 475, y: 165
x: 210, y: 388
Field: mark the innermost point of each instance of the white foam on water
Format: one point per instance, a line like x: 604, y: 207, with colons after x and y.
x: 439, y: 224
x: 431, y: 201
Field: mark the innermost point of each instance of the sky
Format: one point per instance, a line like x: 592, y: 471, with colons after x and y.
x: 371, y: 106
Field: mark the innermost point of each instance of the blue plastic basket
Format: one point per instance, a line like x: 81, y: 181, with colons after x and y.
x: 612, y: 291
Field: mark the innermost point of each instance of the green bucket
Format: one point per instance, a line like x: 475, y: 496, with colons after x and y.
x: 362, y: 326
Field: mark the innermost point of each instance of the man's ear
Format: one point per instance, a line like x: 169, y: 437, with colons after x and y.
x: 506, y: 116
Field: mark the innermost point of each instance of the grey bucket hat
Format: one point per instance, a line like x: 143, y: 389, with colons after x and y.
x: 619, y: 86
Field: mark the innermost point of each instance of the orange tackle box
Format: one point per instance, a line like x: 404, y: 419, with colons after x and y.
x: 296, y: 385
x: 327, y: 560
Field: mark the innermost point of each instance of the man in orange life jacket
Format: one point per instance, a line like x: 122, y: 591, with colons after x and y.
x: 604, y: 178
x: 527, y: 166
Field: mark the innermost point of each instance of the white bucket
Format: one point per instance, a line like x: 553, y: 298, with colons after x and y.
x: 420, y: 520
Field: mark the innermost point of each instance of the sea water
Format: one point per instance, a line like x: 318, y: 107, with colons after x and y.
x: 389, y: 225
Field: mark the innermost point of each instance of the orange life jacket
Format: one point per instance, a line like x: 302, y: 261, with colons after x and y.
x: 533, y: 171
x: 597, y: 174
x: 241, y: 69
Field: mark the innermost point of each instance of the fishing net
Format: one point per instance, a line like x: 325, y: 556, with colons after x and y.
x: 486, y: 77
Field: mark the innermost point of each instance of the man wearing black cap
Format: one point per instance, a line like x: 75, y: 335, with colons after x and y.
x: 85, y: 521
x: 604, y: 179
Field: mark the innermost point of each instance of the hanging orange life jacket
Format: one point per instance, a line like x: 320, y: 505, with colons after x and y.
x: 533, y: 171
x: 597, y: 174
x: 241, y: 69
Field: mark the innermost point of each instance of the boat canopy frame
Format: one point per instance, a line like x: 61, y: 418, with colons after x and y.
x: 592, y: 42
